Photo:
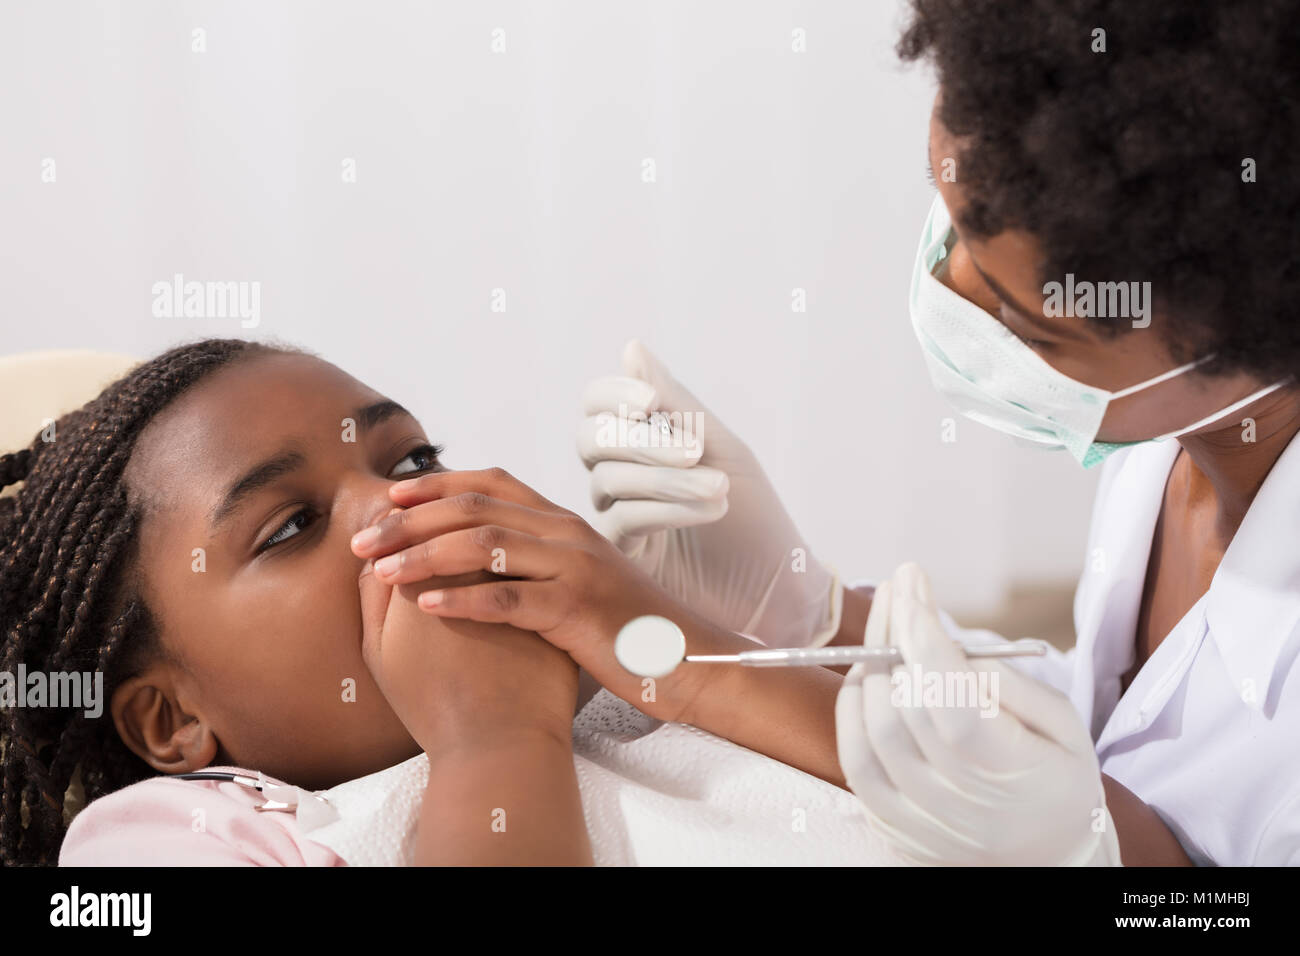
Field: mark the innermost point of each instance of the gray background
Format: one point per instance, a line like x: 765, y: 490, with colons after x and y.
x: 522, y: 170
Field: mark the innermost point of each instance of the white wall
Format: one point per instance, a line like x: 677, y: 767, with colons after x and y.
x: 522, y: 170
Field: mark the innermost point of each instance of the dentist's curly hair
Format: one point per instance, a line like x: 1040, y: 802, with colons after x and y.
x: 70, y: 599
x: 1127, y: 165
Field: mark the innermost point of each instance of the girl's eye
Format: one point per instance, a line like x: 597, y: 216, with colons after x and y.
x: 296, y: 523
x: 422, y: 458
x: 428, y: 454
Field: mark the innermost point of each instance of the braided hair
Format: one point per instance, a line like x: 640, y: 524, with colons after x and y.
x: 70, y: 597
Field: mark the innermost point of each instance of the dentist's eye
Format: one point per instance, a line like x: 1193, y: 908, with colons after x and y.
x: 428, y: 454
x: 1004, y: 311
x: 297, y: 523
x: 1032, y: 343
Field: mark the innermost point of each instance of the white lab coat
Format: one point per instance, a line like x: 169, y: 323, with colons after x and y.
x: 1208, y: 733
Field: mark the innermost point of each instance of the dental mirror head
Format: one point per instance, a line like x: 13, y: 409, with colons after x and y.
x: 650, y: 646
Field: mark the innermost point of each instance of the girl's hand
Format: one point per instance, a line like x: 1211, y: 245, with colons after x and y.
x: 457, y: 684
x: 553, y: 574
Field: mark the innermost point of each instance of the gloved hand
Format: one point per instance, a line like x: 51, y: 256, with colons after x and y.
x: 946, y: 784
x: 703, y: 521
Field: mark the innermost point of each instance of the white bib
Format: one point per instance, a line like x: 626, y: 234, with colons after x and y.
x: 653, y: 793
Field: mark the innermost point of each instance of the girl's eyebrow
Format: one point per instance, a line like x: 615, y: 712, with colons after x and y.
x: 368, y: 416
x: 259, y: 476
x: 288, y: 460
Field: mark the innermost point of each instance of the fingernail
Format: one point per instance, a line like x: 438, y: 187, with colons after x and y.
x: 364, y: 539
x: 430, y: 599
x: 406, y: 484
x: 389, y: 565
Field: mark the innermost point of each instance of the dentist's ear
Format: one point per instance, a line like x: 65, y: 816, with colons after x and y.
x: 155, y: 727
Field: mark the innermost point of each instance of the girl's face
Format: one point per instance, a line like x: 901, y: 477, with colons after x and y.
x: 1001, y: 275
x: 253, y: 483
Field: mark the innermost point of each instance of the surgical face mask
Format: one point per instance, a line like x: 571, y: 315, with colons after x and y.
x: 994, y: 378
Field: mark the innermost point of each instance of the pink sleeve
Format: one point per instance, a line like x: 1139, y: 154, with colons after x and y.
x: 162, y: 822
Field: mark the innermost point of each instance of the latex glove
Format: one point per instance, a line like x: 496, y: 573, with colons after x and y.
x: 944, y: 784
x: 697, y: 513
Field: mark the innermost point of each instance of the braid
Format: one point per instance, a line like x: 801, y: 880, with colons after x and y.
x: 13, y: 467
x: 69, y: 596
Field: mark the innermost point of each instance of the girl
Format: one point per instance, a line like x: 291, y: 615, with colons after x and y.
x: 189, y: 534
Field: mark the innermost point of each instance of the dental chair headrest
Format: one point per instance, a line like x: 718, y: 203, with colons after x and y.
x: 36, y: 386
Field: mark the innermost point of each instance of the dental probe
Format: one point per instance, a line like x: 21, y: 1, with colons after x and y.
x: 823, y: 656
x: 653, y: 646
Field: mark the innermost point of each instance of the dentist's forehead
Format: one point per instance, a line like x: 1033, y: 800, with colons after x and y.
x: 239, y: 412
x: 1012, y: 257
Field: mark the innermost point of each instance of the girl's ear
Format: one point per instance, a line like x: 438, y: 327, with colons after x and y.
x: 154, y: 726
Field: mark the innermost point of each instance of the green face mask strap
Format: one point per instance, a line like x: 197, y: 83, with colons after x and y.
x: 1099, y: 451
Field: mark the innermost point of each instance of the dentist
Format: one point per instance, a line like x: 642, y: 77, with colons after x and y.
x: 1072, y: 152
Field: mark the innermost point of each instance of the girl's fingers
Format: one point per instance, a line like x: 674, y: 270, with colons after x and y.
x: 419, y: 523
x: 484, y: 548
x: 494, y: 482
x: 538, y: 606
x: 375, y: 595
